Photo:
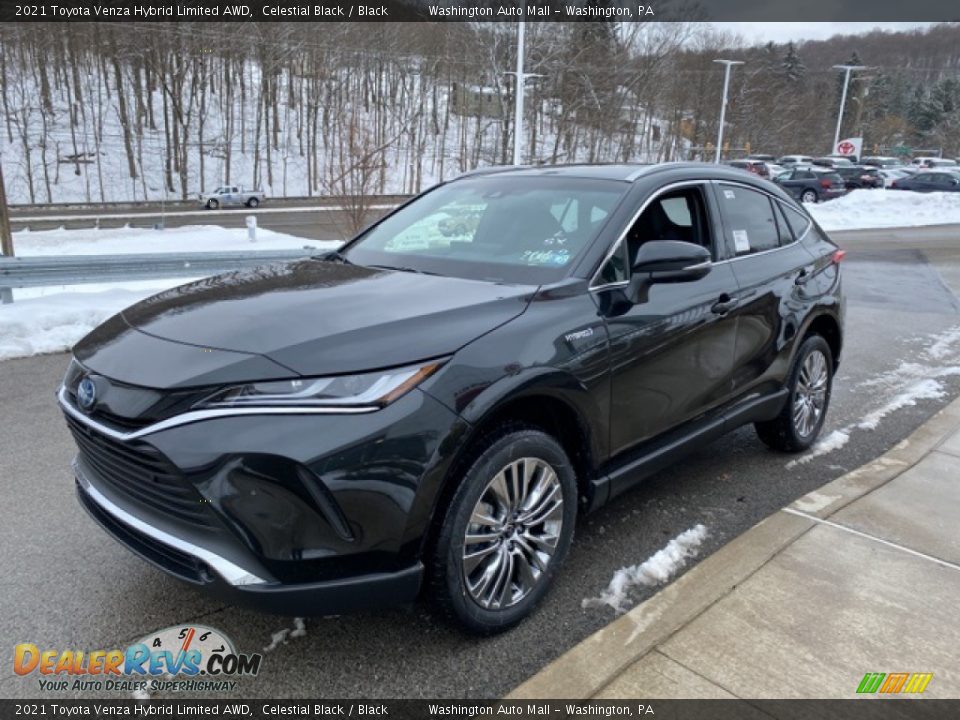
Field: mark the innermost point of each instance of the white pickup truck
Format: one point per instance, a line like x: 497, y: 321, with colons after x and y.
x: 231, y: 195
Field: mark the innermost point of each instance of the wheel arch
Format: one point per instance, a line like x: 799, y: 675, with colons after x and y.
x: 543, y: 406
x: 828, y: 327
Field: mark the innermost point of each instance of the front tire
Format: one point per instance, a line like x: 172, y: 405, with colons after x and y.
x: 810, y: 383
x: 506, y: 531
x: 212, y: 204
x: 809, y: 196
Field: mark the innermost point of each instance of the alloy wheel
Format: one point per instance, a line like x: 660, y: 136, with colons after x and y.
x: 513, y: 533
x: 810, y: 395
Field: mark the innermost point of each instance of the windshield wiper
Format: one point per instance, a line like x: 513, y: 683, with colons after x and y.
x: 402, y: 268
x: 333, y: 256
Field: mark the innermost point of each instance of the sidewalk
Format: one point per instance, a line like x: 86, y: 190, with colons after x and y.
x: 860, y: 576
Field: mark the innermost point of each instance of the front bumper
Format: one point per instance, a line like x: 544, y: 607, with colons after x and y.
x: 310, y: 515
x: 221, y: 577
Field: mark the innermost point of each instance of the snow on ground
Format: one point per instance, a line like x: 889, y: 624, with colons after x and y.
x: 284, y: 635
x: 52, y: 319
x: 904, y: 386
x: 190, y: 238
x: 655, y: 570
x: 862, y: 209
x: 834, y: 441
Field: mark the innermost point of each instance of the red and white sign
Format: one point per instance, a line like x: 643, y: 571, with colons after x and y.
x: 849, y: 146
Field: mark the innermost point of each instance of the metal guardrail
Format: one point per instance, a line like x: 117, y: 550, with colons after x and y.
x: 41, y: 271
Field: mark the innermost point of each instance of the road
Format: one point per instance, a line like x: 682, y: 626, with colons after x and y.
x: 67, y: 585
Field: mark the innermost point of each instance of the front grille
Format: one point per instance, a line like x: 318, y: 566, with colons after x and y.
x: 184, y: 566
x: 140, y: 473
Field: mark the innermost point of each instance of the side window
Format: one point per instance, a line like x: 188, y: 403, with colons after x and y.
x: 748, y: 219
x: 799, y: 222
x: 783, y: 230
x: 678, y: 215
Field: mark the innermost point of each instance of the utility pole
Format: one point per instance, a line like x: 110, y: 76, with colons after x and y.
x: 723, y: 106
x: 843, y: 98
x: 6, y: 239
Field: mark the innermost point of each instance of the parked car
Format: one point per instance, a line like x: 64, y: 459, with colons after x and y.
x: 933, y: 162
x: 792, y: 160
x: 931, y: 181
x: 891, y: 174
x: 773, y: 169
x: 443, y: 428
x: 832, y: 161
x: 757, y: 167
x: 231, y: 196
x: 812, y: 184
x: 860, y: 176
x: 762, y: 158
x: 883, y: 161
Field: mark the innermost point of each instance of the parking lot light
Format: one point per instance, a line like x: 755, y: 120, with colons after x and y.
x: 723, y: 106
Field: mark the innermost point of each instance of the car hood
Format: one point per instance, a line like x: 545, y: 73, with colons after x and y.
x: 311, y: 317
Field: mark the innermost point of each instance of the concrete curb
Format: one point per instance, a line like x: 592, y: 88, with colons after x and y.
x: 584, y: 670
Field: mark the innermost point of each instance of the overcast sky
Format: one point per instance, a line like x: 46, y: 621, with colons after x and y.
x: 780, y: 32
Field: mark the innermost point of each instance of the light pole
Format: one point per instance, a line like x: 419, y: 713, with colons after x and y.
x: 518, y: 96
x: 843, y: 98
x: 723, y: 106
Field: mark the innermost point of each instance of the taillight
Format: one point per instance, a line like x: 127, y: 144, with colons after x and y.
x: 893, y: 184
x: 838, y: 255
x: 825, y: 184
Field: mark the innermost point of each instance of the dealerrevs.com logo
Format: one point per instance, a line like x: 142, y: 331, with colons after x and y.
x: 178, y: 658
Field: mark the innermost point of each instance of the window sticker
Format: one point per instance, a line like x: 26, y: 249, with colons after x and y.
x: 741, y: 241
x: 729, y: 194
x: 546, y: 257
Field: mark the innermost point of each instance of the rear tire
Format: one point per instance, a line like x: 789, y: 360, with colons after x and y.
x: 809, y: 196
x: 809, y: 384
x: 506, y: 530
x: 212, y: 204
x: 252, y: 202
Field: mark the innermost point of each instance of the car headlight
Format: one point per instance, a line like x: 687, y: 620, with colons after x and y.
x: 372, y: 389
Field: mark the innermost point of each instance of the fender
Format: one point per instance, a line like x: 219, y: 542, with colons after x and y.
x: 533, y: 382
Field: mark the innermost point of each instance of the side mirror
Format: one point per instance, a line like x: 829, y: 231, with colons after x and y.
x: 671, y: 261
x: 666, y: 261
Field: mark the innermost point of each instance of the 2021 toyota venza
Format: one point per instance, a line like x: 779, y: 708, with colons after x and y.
x: 432, y: 406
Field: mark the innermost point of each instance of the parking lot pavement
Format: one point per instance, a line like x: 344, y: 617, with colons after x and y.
x: 806, y: 603
x: 68, y: 585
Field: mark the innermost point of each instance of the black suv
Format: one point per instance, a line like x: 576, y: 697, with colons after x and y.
x: 433, y: 405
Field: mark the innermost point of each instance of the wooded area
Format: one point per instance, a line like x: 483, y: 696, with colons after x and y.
x: 99, y: 111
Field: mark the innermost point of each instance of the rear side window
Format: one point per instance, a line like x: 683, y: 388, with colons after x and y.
x: 798, y: 222
x: 749, y: 223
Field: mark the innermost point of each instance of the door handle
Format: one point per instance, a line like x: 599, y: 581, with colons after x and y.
x: 724, y: 304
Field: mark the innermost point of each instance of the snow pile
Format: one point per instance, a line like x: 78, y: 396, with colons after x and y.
x: 123, y: 241
x: 656, y: 570
x: 862, y: 209
x: 53, y: 319
x: 55, y: 323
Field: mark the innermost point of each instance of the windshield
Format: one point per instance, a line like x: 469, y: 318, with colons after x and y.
x: 527, y: 230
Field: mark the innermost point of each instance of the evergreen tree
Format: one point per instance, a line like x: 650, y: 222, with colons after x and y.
x: 793, y: 68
